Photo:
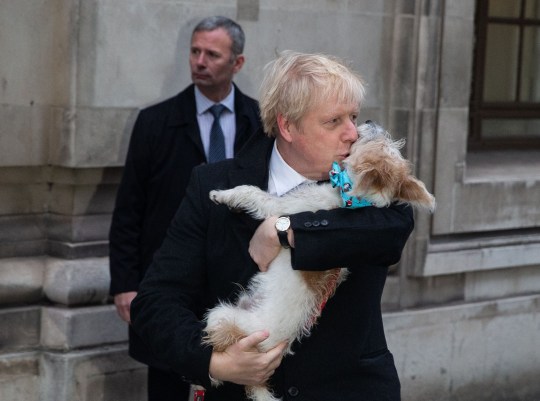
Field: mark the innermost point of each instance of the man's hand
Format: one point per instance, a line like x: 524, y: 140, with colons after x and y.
x: 264, y: 245
x: 242, y: 363
x: 122, y: 302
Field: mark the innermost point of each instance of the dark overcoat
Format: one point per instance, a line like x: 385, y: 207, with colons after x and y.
x: 164, y: 147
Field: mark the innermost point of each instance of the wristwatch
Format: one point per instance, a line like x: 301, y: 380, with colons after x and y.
x: 283, y: 223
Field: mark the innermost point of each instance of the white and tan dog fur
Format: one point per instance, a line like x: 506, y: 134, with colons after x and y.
x: 287, y: 302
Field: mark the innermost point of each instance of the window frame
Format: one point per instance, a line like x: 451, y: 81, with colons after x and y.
x: 481, y: 110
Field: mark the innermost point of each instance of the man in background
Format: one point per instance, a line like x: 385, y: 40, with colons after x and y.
x: 208, y: 121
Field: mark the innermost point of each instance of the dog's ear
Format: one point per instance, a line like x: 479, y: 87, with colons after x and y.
x: 370, y: 180
x: 374, y: 184
x: 414, y: 191
x: 373, y: 171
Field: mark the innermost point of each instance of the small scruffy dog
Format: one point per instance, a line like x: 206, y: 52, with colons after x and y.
x: 287, y: 302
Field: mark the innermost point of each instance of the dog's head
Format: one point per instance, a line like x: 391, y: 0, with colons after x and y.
x: 380, y: 173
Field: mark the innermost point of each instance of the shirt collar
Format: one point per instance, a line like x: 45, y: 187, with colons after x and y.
x: 203, y: 103
x: 282, y: 177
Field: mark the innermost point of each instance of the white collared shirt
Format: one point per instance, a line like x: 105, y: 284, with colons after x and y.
x: 206, y: 119
x: 282, y: 177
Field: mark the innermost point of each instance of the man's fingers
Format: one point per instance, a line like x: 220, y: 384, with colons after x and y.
x: 276, y: 354
x: 123, y: 312
x: 250, y: 342
x: 122, y: 302
x: 243, y: 363
x: 282, y: 346
x: 126, y: 314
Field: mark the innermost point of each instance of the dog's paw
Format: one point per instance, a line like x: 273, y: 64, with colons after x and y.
x: 214, y: 197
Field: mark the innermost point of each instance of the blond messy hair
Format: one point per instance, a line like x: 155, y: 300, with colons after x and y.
x: 295, y: 82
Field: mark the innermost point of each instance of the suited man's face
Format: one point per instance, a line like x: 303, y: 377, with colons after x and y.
x: 212, y: 63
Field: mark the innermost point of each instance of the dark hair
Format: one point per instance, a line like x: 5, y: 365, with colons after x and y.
x: 233, y: 29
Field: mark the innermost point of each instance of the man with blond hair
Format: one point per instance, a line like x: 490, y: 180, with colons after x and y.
x: 309, y: 107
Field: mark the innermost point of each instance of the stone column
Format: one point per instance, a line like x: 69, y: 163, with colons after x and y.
x: 60, y: 152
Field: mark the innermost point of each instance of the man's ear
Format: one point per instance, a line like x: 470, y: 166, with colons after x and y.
x: 238, y: 63
x: 284, y: 127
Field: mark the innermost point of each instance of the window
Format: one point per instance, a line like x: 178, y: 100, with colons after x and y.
x: 505, y: 103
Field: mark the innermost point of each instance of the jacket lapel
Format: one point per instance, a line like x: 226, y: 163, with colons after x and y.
x: 243, y: 123
x: 184, y: 116
x: 251, y: 168
x: 252, y: 162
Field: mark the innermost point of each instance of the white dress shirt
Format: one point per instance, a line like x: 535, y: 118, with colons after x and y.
x: 282, y: 177
x: 206, y: 119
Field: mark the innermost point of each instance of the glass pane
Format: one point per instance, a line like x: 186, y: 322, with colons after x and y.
x: 500, y: 69
x: 530, y: 74
x: 504, y: 8
x: 532, y: 9
x: 511, y: 128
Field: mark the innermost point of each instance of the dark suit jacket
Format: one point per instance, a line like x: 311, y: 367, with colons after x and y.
x: 204, y: 258
x: 164, y: 147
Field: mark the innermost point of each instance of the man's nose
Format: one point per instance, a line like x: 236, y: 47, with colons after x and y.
x: 351, y: 134
x: 201, y: 59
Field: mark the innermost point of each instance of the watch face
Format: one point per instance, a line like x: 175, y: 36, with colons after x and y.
x: 283, y: 223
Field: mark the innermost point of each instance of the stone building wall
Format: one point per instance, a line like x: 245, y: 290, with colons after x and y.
x: 462, y: 306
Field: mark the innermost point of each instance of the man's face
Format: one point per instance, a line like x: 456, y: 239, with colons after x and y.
x: 212, y: 63
x: 324, y: 135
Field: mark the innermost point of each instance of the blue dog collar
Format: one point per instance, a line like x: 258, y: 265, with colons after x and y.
x: 339, y: 178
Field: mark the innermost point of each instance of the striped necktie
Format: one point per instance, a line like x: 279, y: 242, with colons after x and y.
x: 217, y: 140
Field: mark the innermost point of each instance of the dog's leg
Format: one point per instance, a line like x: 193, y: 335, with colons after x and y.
x: 221, y: 328
x: 260, y: 204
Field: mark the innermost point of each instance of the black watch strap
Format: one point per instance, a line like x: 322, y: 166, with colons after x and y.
x: 283, y: 239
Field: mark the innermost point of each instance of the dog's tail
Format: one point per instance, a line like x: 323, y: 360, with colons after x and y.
x: 260, y: 393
